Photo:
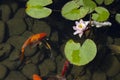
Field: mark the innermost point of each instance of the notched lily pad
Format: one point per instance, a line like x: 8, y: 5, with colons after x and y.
x: 37, y: 9
x: 73, y: 11
x: 101, y: 15
x: 80, y: 55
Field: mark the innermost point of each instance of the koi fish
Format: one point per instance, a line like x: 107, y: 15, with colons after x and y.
x: 32, y: 40
x: 36, y: 77
x: 65, y: 68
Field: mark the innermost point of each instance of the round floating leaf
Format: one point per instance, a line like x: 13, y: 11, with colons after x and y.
x: 90, y: 4
x: 72, y: 51
x: 37, y: 9
x: 101, y: 15
x: 38, y: 13
x: 72, y: 11
x: 117, y: 17
x: 89, y: 51
x: 108, y: 2
x: 99, y: 1
x: 78, y: 55
x: 39, y: 2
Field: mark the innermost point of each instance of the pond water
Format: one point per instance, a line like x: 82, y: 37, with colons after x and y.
x: 45, y: 56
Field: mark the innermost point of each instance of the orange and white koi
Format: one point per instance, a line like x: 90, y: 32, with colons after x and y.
x: 33, y: 40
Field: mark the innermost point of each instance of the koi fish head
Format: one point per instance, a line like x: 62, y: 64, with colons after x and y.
x: 42, y: 35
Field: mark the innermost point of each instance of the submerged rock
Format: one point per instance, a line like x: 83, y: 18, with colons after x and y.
x: 14, y: 6
x: 46, y: 67
x: 12, y: 65
x: 5, y: 12
x: 111, y: 66
x: 15, y: 55
x: 2, y: 31
x: 15, y: 75
x: 54, y: 36
x: 16, y: 41
x: 4, y: 50
x: 99, y: 75
x: 20, y: 13
x: 30, y: 69
x: 41, y: 26
x: 3, y: 72
x: 16, y: 26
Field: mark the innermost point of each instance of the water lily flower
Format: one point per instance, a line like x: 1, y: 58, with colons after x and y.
x: 80, y: 27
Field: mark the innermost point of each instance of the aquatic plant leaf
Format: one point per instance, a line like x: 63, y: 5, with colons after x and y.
x: 101, y: 15
x: 117, y: 17
x: 72, y: 51
x: 78, y: 55
x: 108, y: 2
x: 72, y: 11
x: 38, y: 13
x: 39, y: 2
x: 88, y: 51
x: 90, y: 4
x: 99, y: 1
x: 37, y: 9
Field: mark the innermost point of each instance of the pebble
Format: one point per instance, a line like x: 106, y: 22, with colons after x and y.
x: 111, y: 66
x: 13, y: 6
x: 38, y: 57
x: 86, y: 76
x: 20, y: 13
x: 30, y: 69
x: 46, y: 67
x: 3, y: 71
x: 2, y: 31
x: 16, y: 26
x: 15, y: 75
x: 117, y: 41
x: 4, y: 50
x: 54, y: 36
x: 117, y: 77
x: 99, y: 75
x: 11, y: 65
x: 27, y: 34
x: 5, y: 12
x: 76, y: 70
x: 41, y: 26
x: 15, y: 55
x: 16, y: 41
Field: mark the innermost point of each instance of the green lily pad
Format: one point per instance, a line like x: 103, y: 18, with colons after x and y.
x: 90, y: 4
x: 99, y: 1
x: 73, y: 11
x: 37, y: 9
x: 101, y: 15
x: 108, y: 2
x: 117, y: 17
x: 80, y: 55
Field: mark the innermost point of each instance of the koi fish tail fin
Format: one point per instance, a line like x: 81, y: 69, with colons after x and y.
x: 22, y: 55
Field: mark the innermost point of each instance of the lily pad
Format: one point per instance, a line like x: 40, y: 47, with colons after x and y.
x: 80, y: 55
x: 99, y: 1
x: 108, y: 2
x: 90, y: 4
x: 37, y: 9
x: 73, y: 11
x: 101, y: 15
x: 117, y: 17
